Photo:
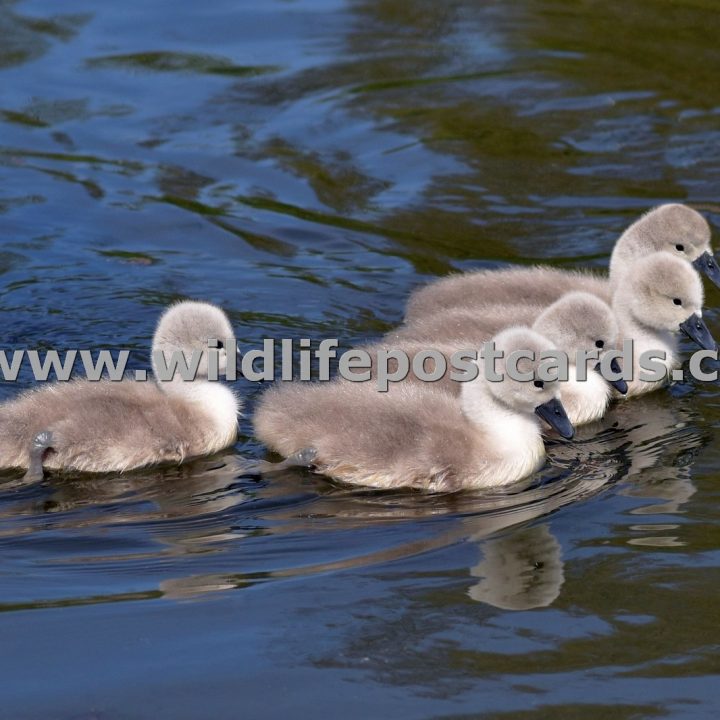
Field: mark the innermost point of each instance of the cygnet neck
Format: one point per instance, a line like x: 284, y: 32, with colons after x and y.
x: 508, y: 431
x: 216, y: 401
x: 584, y: 401
x: 630, y: 246
x: 645, y: 338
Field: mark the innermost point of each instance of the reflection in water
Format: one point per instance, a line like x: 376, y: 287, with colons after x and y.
x: 521, y: 565
x: 519, y: 571
x: 25, y: 38
x: 654, y: 440
x: 209, y: 506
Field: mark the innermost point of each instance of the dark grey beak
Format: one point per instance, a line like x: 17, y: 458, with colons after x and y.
x: 620, y: 385
x: 707, y: 264
x: 697, y: 330
x: 553, y: 413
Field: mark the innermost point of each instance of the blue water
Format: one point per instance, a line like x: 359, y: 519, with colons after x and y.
x: 306, y: 165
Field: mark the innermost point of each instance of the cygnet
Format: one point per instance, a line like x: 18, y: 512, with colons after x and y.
x: 676, y: 229
x: 420, y: 437
x: 106, y: 426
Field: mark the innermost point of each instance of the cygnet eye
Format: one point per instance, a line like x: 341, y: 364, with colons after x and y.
x: 538, y: 384
x: 677, y: 301
x: 220, y: 345
x: 680, y: 247
x: 600, y: 344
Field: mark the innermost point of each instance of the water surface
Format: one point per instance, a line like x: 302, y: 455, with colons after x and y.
x: 306, y: 164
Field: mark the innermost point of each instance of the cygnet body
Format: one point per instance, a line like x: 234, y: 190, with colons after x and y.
x: 676, y: 229
x: 106, y: 426
x: 419, y: 436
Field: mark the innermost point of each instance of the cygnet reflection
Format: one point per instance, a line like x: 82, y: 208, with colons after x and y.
x: 520, y: 570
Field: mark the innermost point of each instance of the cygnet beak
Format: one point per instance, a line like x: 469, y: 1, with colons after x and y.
x: 696, y: 329
x: 553, y: 413
x: 620, y: 385
x: 707, y: 264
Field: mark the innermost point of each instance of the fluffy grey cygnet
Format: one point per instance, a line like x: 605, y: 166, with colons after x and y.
x: 673, y: 228
x: 659, y: 299
x: 105, y: 426
x: 419, y: 437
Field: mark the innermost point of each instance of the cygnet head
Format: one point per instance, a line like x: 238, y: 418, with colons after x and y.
x: 677, y: 229
x: 186, y: 327
x: 580, y: 321
x: 664, y: 293
x: 673, y: 228
x: 522, y: 355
